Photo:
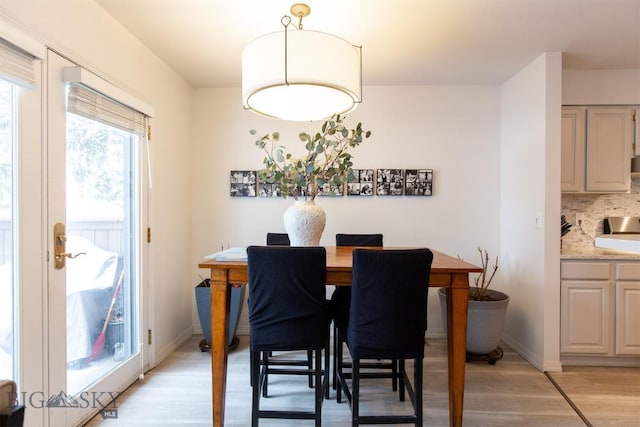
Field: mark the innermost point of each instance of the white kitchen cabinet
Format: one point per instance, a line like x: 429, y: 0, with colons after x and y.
x: 609, y: 149
x: 636, y: 139
x: 573, y: 149
x: 597, y: 146
x: 585, y: 311
x: 600, y: 310
x: 627, y: 308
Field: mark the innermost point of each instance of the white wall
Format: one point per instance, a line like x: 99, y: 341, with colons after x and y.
x: 84, y: 33
x: 600, y: 87
x: 530, y: 168
x: 453, y: 129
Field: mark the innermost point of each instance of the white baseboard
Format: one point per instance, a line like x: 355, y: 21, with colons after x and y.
x: 525, y: 353
x: 173, y: 345
x: 608, y: 361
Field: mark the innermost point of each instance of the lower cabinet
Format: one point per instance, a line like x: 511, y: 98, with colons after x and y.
x: 627, y: 308
x: 600, y: 309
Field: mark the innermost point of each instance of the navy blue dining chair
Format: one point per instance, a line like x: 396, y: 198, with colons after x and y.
x: 278, y: 239
x: 282, y: 239
x: 287, y: 312
x: 387, y: 320
x: 339, y: 305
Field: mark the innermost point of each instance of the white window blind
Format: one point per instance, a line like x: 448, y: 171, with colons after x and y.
x: 17, y: 65
x: 86, y: 102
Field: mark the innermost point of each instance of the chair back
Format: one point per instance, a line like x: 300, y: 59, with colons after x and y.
x: 11, y: 414
x: 8, y: 395
x: 341, y: 297
x: 358, y: 239
x: 388, y: 310
x: 287, y: 305
x: 278, y: 239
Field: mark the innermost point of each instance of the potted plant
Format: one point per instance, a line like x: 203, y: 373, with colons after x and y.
x: 327, y: 162
x: 203, y: 304
x: 486, y: 312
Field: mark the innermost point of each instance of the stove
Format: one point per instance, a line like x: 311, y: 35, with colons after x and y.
x: 620, y: 233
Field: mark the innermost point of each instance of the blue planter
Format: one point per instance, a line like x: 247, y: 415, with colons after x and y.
x: 203, y: 303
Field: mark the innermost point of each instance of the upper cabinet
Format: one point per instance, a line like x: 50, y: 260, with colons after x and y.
x: 597, y: 146
x: 573, y: 149
x: 609, y: 149
x: 636, y: 142
x: 635, y: 162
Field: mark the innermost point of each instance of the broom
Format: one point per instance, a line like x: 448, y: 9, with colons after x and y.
x: 98, y: 346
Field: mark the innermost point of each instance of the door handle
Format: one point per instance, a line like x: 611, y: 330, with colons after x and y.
x: 59, y: 246
x: 69, y: 255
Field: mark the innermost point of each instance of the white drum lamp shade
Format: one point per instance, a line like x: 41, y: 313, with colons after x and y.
x: 311, y: 76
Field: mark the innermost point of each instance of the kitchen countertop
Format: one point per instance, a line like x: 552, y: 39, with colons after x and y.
x: 590, y: 251
x: 597, y: 253
x: 608, y: 256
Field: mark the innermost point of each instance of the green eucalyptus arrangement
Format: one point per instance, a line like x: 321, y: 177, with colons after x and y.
x: 327, y: 159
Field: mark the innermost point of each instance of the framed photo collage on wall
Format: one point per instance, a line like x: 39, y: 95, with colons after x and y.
x: 365, y: 182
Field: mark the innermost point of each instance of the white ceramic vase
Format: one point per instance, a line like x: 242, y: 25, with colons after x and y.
x: 304, y: 222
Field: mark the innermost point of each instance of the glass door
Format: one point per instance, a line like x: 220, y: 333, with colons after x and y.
x: 95, y: 275
x: 101, y: 290
x: 21, y: 250
x: 22, y: 254
x: 7, y: 283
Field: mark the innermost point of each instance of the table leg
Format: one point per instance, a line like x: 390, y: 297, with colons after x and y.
x: 457, y: 302
x: 220, y: 296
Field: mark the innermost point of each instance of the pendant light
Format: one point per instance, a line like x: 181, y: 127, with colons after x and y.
x: 301, y: 75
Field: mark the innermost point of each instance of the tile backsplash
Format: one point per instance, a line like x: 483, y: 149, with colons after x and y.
x: 595, y: 208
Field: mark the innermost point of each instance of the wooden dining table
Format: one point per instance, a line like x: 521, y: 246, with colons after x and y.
x: 446, y: 272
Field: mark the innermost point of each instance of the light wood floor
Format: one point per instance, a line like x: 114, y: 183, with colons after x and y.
x: 509, y: 393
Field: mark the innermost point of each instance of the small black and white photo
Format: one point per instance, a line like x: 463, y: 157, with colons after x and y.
x: 243, y: 184
x: 419, y: 182
x: 390, y: 182
x: 266, y: 189
x: 330, y: 190
x: 360, y: 183
x: 366, y: 175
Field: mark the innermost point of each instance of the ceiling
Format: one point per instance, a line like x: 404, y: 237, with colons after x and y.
x: 404, y: 42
